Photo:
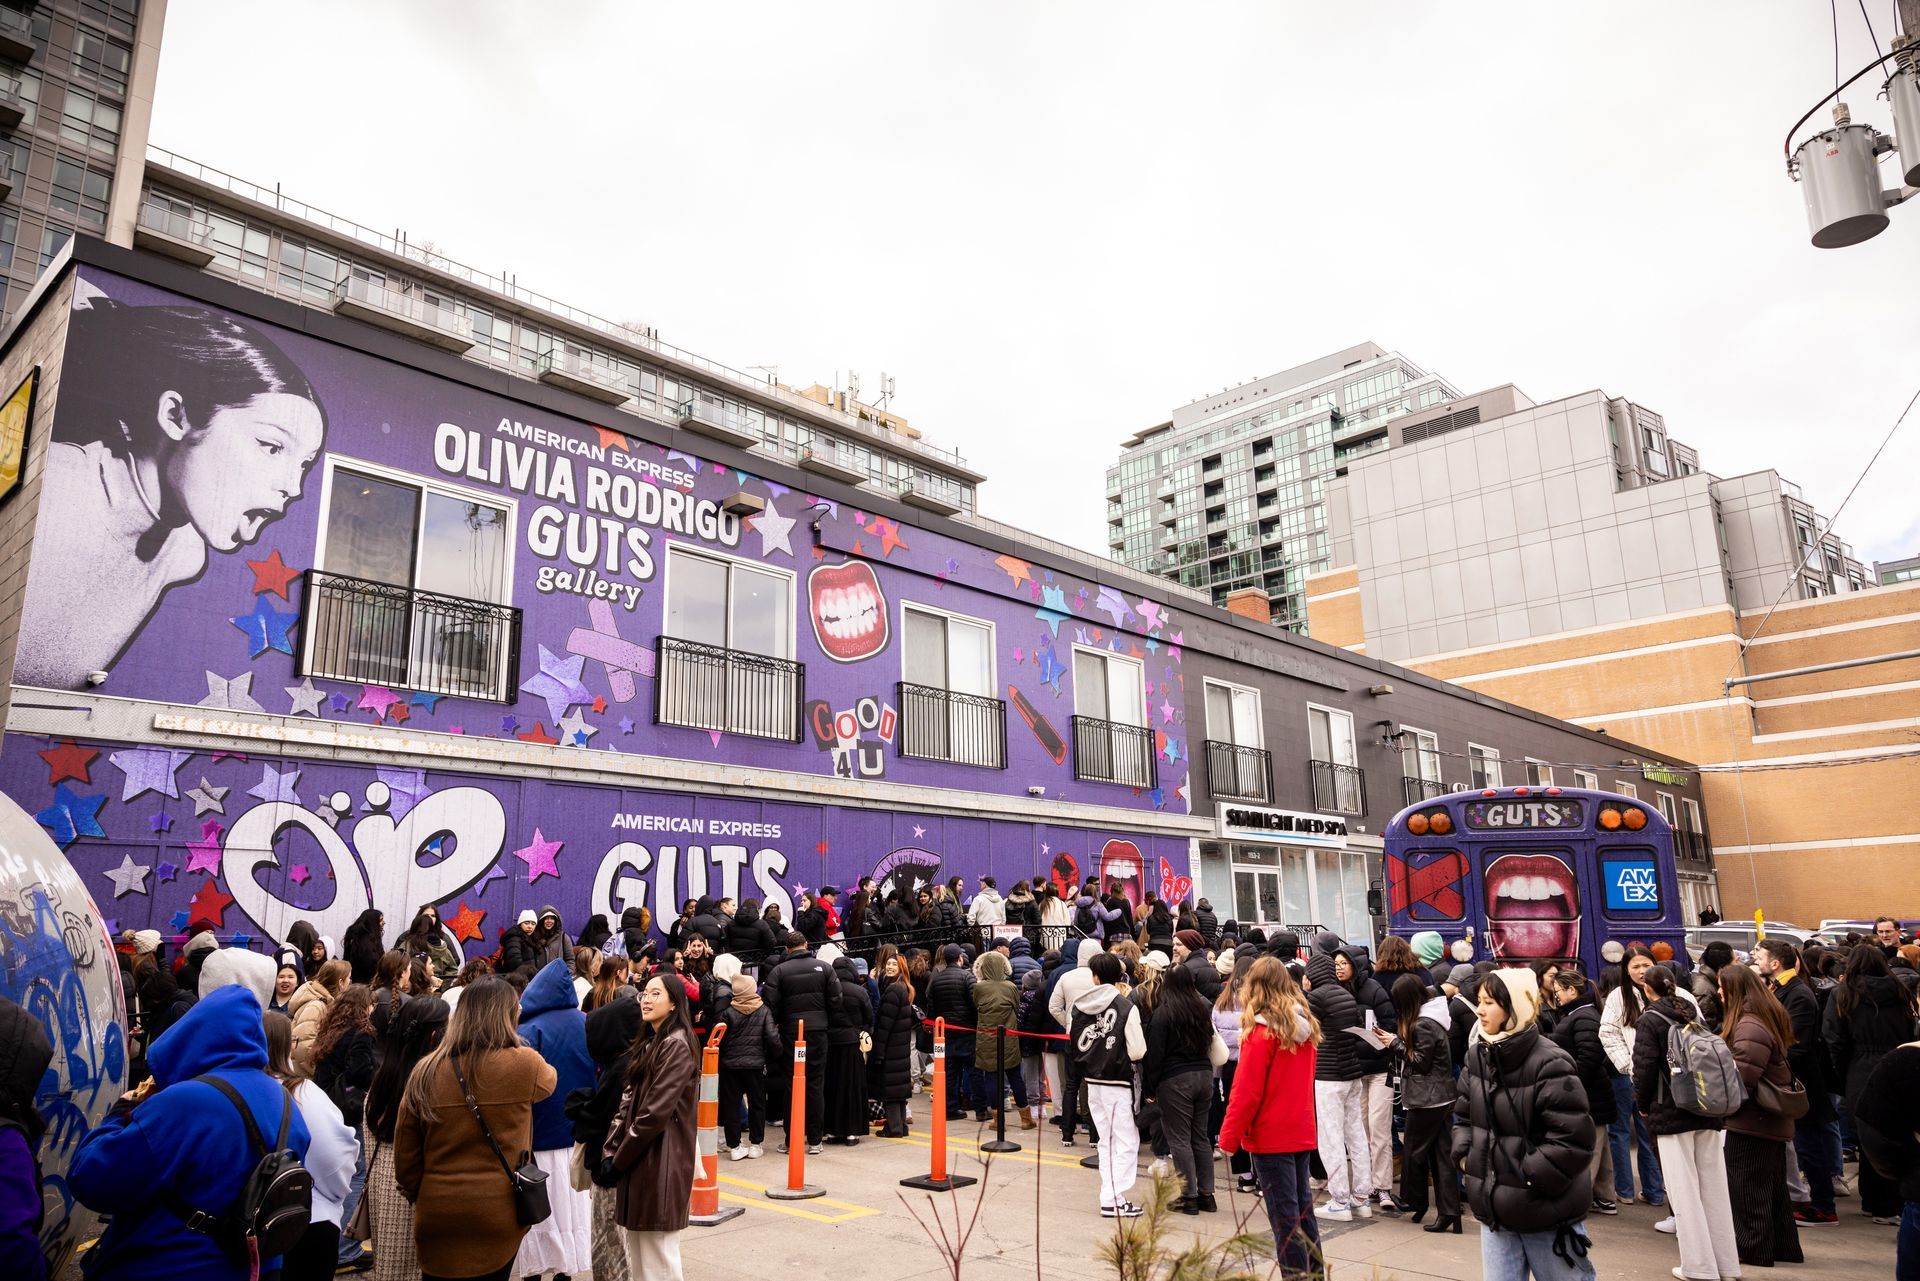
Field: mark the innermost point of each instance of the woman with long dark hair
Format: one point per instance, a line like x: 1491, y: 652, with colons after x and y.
x: 649, y: 1154
x: 1868, y: 1016
x: 1226, y: 1025
x: 464, y: 1223
x: 201, y: 436
x: 425, y: 937
x: 1578, y: 1033
x: 411, y: 1035
x: 392, y: 983
x: 361, y: 947
x: 610, y: 1031
x: 343, y: 1052
x: 1757, y: 1030
x: 1619, y: 1017
x: 1428, y: 1094
x: 1178, y: 1074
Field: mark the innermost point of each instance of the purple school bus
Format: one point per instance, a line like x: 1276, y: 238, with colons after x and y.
x: 1532, y: 873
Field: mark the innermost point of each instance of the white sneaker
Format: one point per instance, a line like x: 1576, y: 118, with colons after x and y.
x: 814, y: 1149
x: 1125, y: 1210
x: 1363, y: 1209
x: 755, y: 1151
x: 1666, y: 1225
x: 1335, y: 1210
x: 740, y: 1153
x: 1160, y: 1168
x: 1218, y: 1154
x: 1843, y: 1186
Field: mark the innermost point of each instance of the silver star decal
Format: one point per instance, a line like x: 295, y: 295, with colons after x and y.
x: 129, y: 878
x: 306, y: 699
x: 235, y: 693
x: 207, y: 797
x: 774, y: 530
x: 574, y: 723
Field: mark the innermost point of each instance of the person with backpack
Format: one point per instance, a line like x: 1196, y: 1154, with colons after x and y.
x: 1525, y: 1138
x: 191, y: 1164
x: 1692, y: 1157
x: 466, y: 1117
x: 552, y: 1025
x: 1757, y: 1031
x: 1620, y: 1009
x: 1105, y: 1039
x: 25, y: 1053
x: 332, y: 1157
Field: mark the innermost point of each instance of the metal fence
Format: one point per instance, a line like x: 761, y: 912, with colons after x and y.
x: 1338, y: 789
x: 945, y: 725
x: 1241, y: 773
x: 353, y: 629
x: 713, y: 688
x: 1109, y: 752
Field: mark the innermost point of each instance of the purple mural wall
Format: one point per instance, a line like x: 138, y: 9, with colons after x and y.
x: 200, y: 464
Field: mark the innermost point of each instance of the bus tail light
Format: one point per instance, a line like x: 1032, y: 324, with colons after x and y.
x: 1440, y: 823
x: 1634, y: 820
x: 1609, y: 819
x: 1417, y: 824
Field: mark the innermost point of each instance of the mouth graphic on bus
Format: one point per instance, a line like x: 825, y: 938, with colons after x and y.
x: 1533, y: 907
x: 849, y: 612
x: 1120, y: 869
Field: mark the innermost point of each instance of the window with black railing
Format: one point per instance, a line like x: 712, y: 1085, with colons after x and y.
x: 946, y: 725
x: 1421, y: 789
x: 1241, y: 773
x: 1338, y: 789
x: 700, y: 686
x: 355, y: 629
x: 1109, y: 752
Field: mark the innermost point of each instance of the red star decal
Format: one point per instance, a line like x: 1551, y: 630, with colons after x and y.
x: 856, y: 548
x: 822, y: 848
x: 398, y: 712
x: 272, y: 575
x: 889, y: 534
x: 609, y: 439
x: 538, y: 734
x: 210, y: 902
x: 599, y: 705
x: 67, y: 759
x: 466, y: 923
x: 819, y: 552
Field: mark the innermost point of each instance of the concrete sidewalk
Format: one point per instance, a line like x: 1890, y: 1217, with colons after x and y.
x: 863, y: 1223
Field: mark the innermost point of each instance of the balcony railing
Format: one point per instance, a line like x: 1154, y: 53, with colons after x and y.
x: 931, y: 493
x: 16, y: 35
x: 945, y: 725
x: 562, y: 366
x: 410, y: 313
x: 13, y: 107
x: 717, y: 420
x: 1338, y: 789
x: 1421, y: 789
x: 352, y: 629
x: 1691, y: 845
x: 708, y: 687
x: 167, y: 229
x: 1108, y: 752
x: 1239, y: 773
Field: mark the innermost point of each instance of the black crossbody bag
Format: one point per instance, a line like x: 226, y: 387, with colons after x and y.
x: 529, y: 1181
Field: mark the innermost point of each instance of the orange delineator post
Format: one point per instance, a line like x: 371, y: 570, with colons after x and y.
x: 937, y: 1178
x: 797, y: 1189
x: 706, y: 1211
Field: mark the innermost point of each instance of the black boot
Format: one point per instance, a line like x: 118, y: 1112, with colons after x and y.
x: 1444, y: 1223
x: 1207, y: 1204
x: 1417, y: 1215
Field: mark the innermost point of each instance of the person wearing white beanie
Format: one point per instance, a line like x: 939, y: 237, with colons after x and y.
x: 237, y: 967
x: 145, y: 941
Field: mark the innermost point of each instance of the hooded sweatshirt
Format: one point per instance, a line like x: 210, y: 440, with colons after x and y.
x: 25, y: 1053
x: 1020, y: 952
x: 988, y: 907
x: 1070, y: 984
x: 187, y: 1141
x: 1105, y: 1037
x: 551, y: 1022
x: 237, y: 967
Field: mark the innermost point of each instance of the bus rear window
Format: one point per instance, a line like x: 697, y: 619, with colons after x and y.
x: 1631, y: 881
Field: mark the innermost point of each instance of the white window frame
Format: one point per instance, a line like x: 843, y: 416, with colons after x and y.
x: 1488, y: 758
x: 1264, y: 790
x: 955, y: 616
x: 1626, y: 789
x: 1533, y: 764
x: 1421, y: 752
x: 1586, y: 779
x: 334, y: 463
x: 1118, y: 774
x: 1138, y: 665
x: 1690, y: 809
x: 1336, y: 715
x: 923, y: 741
x: 678, y: 549
x: 1663, y: 801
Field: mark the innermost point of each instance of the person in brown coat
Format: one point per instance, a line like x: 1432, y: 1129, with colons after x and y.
x: 649, y: 1154
x: 1757, y: 1030
x: 464, y: 1220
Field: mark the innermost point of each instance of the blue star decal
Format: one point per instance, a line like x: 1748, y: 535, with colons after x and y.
x: 160, y: 822
x: 1172, y: 751
x: 1053, y: 609
x: 266, y: 628
x: 509, y: 724
x: 71, y: 816
x: 1159, y: 797
x: 340, y: 703
x: 179, y: 921
x: 429, y: 701
x: 1051, y: 669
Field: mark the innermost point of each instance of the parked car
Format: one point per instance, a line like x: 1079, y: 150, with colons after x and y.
x: 1836, y: 931
x: 1739, y: 935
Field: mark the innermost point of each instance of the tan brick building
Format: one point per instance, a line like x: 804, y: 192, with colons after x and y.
x: 1536, y: 558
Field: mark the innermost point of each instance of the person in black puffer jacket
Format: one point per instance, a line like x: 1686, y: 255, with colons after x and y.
x: 1190, y: 950
x: 802, y: 990
x: 851, y: 1015
x: 1869, y: 1015
x: 1158, y: 928
x: 890, y: 1064
x: 1429, y: 1093
x: 709, y: 922
x: 1888, y: 1122
x: 749, y: 1050
x: 1339, y: 1094
x: 1692, y: 1153
x: 949, y: 996
x: 517, y: 950
x: 748, y: 933
x: 1208, y: 923
x: 1526, y: 1138
x: 1578, y: 1033
x: 1373, y: 995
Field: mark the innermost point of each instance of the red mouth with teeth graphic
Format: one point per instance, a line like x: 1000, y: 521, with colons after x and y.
x: 1120, y: 869
x: 849, y: 612
x: 1533, y: 907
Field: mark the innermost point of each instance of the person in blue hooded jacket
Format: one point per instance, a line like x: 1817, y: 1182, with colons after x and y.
x: 1020, y: 956
x: 183, y: 1147
x: 551, y: 1023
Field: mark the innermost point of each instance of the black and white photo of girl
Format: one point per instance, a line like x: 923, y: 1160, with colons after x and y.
x: 178, y: 429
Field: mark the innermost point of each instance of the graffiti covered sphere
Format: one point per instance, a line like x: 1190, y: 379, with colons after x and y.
x: 57, y: 962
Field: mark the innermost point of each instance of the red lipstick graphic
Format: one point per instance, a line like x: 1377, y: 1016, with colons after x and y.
x: 848, y: 610
x: 1533, y: 907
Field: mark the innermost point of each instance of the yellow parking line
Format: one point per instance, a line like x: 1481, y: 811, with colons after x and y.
x: 969, y: 1149
x: 796, y: 1208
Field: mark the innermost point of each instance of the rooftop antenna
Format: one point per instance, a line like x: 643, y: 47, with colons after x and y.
x: 886, y: 388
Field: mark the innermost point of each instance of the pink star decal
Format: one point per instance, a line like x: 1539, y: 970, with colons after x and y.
x: 1176, y: 640
x: 1149, y: 611
x: 377, y: 699
x: 203, y: 855
x: 918, y: 831
x: 300, y: 873
x: 1166, y: 712
x: 538, y: 856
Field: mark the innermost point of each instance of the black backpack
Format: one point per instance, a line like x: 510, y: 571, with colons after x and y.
x: 276, y: 1202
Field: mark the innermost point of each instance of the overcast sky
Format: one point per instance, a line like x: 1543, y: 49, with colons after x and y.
x: 1053, y: 223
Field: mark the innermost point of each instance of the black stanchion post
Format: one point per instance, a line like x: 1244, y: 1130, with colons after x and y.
x: 999, y: 1141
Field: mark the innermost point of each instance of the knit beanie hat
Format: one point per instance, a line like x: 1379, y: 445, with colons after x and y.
x: 1428, y: 946
x: 1459, y: 975
x: 1191, y: 940
x: 200, y: 943
x: 527, y: 918
x: 1224, y: 963
x: 146, y: 941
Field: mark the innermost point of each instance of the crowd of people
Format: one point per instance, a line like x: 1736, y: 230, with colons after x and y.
x: 532, y: 1113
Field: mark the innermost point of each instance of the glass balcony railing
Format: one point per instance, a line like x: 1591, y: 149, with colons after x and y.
x: 415, y: 311
x: 574, y: 369
x: 176, y: 224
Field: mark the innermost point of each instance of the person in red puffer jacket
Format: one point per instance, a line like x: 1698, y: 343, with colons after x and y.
x: 1271, y: 1111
